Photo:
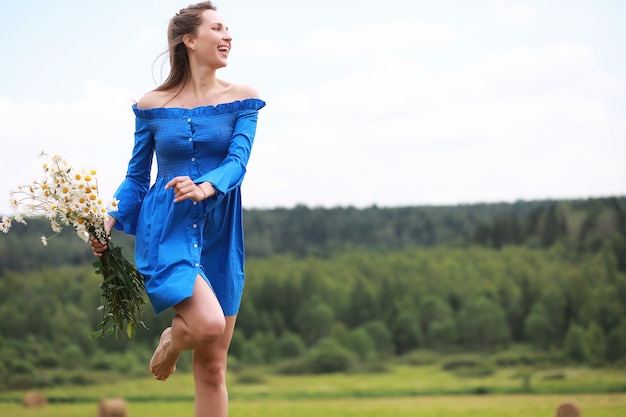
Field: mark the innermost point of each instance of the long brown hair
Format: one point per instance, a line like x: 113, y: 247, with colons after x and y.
x: 185, y: 22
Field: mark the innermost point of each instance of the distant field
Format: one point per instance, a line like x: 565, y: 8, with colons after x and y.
x: 406, y: 391
x: 600, y: 405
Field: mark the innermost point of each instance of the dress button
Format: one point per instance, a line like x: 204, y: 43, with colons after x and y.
x: 195, y: 226
x: 193, y: 159
x: 190, y: 140
x: 197, y: 264
x: 195, y: 203
x: 188, y: 120
x: 195, y: 245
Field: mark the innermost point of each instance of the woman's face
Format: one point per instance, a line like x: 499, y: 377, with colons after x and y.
x: 212, y: 40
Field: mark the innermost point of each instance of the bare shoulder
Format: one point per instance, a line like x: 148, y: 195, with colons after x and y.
x: 154, y: 99
x: 238, y: 92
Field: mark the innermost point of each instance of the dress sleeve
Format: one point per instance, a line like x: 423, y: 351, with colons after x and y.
x: 229, y: 174
x: 137, y: 182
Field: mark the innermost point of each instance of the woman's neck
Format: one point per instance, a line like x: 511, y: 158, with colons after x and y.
x: 202, y: 82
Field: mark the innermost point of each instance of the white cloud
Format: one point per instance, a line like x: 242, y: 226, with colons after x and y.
x: 483, y: 132
x: 265, y: 48
x: 562, y: 68
x: 376, y: 39
x: 514, y: 11
x: 92, y: 132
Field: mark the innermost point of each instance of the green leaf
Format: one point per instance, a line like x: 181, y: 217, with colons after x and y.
x: 122, y: 293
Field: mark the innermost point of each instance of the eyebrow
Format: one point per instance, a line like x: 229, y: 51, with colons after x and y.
x: 219, y: 24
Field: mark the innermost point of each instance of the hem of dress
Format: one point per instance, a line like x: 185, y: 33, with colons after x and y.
x: 170, y: 304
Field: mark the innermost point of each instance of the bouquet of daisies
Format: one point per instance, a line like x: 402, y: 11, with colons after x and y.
x: 68, y: 197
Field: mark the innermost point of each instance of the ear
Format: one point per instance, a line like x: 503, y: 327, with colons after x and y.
x: 189, y: 42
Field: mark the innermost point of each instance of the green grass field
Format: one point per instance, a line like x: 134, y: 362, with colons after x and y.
x: 597, y: 405
x: 405, y: 391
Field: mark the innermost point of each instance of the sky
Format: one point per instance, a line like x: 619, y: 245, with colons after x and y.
x: 395, y: 103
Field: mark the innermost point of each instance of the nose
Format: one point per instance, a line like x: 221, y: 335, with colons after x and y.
x: 227, y: 36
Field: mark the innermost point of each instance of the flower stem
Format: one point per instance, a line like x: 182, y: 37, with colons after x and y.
x: 122, y: 293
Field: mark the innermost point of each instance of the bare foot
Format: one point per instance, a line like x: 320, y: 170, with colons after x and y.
x: 163, y: 362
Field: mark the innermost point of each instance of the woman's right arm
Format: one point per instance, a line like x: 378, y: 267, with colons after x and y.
x: 137, y: 182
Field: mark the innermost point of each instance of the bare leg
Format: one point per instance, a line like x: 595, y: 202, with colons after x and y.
x: 199, y: 322
x: 209, y: 371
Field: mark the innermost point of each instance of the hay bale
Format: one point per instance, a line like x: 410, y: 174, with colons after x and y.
x: 112, y: 407
x: 34, y: 399
x: 567, y: 410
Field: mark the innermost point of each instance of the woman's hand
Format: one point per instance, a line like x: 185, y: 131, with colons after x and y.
x: 185, y: 189
x: 98, y: 247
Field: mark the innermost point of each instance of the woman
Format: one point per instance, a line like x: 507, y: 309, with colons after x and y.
x: 188, y: 224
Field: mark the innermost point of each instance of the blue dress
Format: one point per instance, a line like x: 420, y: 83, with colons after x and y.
x: 176, y: 242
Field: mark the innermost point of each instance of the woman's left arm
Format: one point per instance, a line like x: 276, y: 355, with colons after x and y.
x: 230, y: 173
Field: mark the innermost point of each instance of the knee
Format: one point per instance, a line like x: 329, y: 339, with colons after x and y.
x: 210, y: 331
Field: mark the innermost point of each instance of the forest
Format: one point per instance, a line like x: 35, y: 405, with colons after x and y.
x: 328, y: 289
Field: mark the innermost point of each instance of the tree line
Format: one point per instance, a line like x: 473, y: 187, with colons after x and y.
x: 330, y: 287
x: 587, y: 225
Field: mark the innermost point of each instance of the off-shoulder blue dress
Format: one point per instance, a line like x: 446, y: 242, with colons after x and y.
x: 176, y: 242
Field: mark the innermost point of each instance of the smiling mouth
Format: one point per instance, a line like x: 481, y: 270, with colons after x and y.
x: 223, y: 48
